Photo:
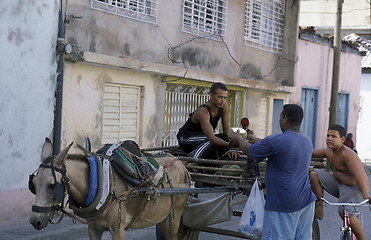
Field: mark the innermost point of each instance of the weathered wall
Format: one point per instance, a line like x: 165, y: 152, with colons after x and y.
x: 314, y: 70
x: 113, y: 35
x: 83, y: 96
x: 28, y: 32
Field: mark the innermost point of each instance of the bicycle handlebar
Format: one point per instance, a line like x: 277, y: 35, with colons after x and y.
x: 344, y: 204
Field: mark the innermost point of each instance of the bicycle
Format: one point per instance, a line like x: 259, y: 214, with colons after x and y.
x: 346, y: 231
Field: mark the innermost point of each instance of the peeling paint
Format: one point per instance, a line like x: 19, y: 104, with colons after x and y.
x: 92, y: 32
x: 250, y: 71
x: 151, y: 133
x: 126, y: 48
x: 105, y: 78
x: 79, y: 78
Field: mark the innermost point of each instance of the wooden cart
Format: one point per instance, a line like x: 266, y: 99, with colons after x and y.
x: 222, y: 175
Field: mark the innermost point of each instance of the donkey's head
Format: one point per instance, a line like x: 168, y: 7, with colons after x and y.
x: 48, y: 184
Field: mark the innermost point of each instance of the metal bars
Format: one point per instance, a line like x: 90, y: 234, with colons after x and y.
x: 141, y: 10
x: 264, y: 24
x: 205, y: 18
x: 180, y: 101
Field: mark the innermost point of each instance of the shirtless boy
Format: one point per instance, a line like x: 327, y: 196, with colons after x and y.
x: 348, y: 180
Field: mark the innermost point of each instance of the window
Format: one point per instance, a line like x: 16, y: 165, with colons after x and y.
x: 142, y: 10
x: 121, y: 113
x: 205, y: 17
x: 264, y: 23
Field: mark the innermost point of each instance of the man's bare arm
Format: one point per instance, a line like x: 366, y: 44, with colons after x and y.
x: 252, y: 138
x: 203, y: 117
x: 321, y: 153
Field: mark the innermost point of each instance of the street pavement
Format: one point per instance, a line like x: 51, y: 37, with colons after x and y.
x: 67, y: 230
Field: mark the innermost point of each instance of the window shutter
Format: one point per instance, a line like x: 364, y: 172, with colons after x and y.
x: 121, y: 113
x: 262, y: 118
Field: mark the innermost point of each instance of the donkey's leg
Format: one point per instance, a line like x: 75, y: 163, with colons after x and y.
x: 94, y: 233
x: 117, y: 234
x: 170, y: 226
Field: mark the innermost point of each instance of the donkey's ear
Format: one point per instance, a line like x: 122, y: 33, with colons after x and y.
x: 47, y: 149
x: 62, y: 155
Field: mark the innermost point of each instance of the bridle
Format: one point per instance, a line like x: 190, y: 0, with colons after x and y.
x: 59, y: 188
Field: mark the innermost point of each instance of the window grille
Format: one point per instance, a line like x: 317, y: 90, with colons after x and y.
x: 121, y: 113
x: 205, y: 17
x: 181, y: 100
x: 264, y: 24
x: 141, y: 10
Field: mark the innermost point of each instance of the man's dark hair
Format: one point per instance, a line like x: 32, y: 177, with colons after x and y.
x: 339, y: 128
x: 217, y: 86
x: 294, y: 113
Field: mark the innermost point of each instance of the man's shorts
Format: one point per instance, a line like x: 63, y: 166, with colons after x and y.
x: 288, y: 226
x: 348, y: 194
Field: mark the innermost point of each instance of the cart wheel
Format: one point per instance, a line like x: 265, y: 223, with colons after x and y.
x: 315, y: 230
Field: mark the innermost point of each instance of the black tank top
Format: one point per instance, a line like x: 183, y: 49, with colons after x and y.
x: 189, y: 126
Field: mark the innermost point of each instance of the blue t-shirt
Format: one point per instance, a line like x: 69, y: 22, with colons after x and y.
x: 287, y: 175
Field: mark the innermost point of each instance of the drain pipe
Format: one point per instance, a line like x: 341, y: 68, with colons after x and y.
x: 57, y: 128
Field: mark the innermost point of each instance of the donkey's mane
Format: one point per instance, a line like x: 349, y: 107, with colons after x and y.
x: 80, y: 157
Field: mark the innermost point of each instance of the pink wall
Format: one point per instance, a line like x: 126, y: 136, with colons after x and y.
x: 314, y: 70
x: 18, y: 207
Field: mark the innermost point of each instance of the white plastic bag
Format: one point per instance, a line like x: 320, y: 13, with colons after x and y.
x: 251, y: 222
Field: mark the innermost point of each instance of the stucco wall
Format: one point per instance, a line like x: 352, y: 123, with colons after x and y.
x: 82, y: 106
x: 101, y: 32
x: 28, y: 32
x: 314, y: 70
x: 362, y: 139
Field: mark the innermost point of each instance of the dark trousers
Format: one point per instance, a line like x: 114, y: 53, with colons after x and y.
x: 198, y: 146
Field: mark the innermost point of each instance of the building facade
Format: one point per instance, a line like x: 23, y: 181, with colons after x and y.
x: 356, y: 17
x: 123, y: 46
x: 28, y: 67
x: 313, y: 86
x: 114, y: 69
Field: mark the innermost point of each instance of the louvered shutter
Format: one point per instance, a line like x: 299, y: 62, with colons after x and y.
x: 262, y: 118
x: 121, y: 109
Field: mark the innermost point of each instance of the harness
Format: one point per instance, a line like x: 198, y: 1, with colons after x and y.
x: 59, y: 188
x: 100, y: 200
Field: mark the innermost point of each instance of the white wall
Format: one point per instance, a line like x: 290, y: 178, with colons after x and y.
x: 28, y: 32
x: 362, y: 140
x: 322, y: 15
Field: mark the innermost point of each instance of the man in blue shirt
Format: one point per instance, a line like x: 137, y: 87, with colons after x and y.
x: 289, y: 207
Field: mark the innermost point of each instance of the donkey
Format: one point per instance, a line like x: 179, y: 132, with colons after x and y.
x: 62, y: 175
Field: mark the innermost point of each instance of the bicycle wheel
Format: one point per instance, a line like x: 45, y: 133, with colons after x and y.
x: 315, y: 230
x: 345, y: 235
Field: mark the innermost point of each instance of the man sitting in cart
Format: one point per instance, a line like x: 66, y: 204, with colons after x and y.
x: 197, y: 136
